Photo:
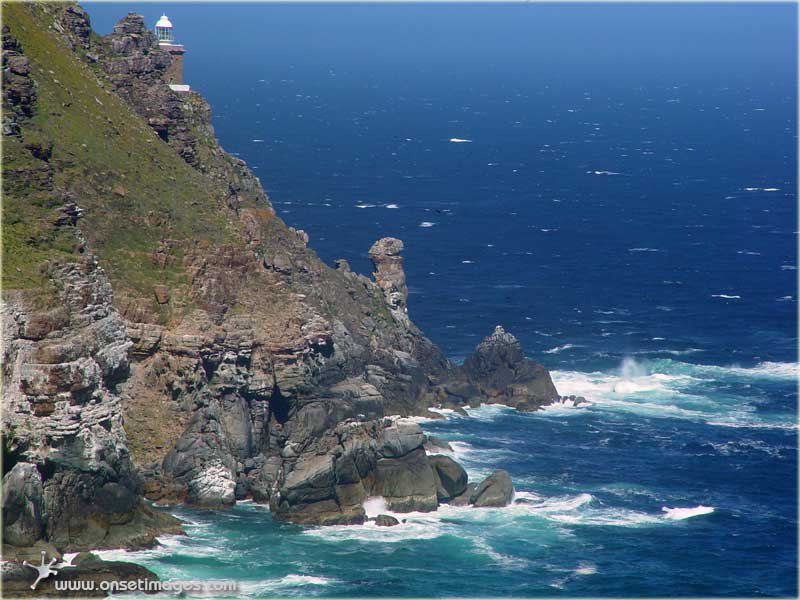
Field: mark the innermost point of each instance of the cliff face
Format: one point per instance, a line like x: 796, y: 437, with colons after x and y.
x: 230, y: 362
x: 70, y: 475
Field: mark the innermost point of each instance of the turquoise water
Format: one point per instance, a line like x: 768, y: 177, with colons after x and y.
x: 625, y: 205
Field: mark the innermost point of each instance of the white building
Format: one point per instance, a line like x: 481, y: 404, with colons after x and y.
x: 174, y: 73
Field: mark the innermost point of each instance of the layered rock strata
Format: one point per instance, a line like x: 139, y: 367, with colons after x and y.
x: 69, y: 477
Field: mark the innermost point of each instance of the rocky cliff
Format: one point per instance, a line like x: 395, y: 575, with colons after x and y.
x: 229, y: 362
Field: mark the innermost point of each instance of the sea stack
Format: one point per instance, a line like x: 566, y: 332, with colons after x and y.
x: 390, y: 276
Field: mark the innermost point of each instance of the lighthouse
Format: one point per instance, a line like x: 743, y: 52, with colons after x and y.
x: 174, y: 73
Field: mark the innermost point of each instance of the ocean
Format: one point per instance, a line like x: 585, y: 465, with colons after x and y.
x: 614, y: 184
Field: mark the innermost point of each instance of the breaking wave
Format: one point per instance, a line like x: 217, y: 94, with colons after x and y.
x: 670, y: 388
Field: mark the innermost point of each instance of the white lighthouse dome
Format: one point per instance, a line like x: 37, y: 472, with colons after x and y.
x: 164, y: 22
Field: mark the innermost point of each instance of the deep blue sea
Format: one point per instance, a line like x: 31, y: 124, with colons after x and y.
x: 616, y: 185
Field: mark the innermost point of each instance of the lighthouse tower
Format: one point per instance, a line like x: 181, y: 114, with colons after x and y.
x: 174, y: 73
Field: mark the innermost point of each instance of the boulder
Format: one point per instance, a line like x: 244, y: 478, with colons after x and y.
x: 451, y: 478
x: 465, y: 497
x: 407, y: 484
x: 401, y: 438
x: 434, y: 445
x: 22, y: 505
x: 386, y: 521
x: 496, y: 490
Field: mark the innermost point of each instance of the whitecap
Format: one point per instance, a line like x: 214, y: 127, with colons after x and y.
x: 504, y: 560
x: 768, y: 369
x: 365, y: 206
x: 427, y: 224
x: 643, y: 250
x: 678, y: 514
x: 558, y: 349
x: 726, y: 296
x: 668, y: 388
x: 257, y: 141
x: 460, y: 141
x: 585, y: 569
x: 392, y: 206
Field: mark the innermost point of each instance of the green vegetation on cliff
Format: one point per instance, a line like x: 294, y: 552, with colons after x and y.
x: 134, y: 189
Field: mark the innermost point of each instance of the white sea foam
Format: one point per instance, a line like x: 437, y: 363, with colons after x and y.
x: 392, y: 206
x: 365, y: 206
x: 460, y: 141
x: 643, y: 250
x: 290, y: 582
x: 678, y: 514
x: 374, y: 506
x: 417, y: 526
x: 766, y: 369
x: 167, y: 545
x: 726, y: 296
x: 555, y: 504
x: 746, y: 446
x: 503, y: 560
x: 669, y: 388
x: 445, y: 412
x: 487, y: 412
x: 427, y: 224
x: 585, y: 569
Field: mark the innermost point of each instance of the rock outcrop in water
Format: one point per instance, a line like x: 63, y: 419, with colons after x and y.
x: 496, y: 490
x: 329, y: 482
x: 497, y: 373
x: 229, y: 362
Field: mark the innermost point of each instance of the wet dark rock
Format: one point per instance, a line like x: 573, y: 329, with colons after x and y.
x: 435, y: 445
x: 496, y: 490
x: 465, y: 498
x: 497, y: 373
x: 22, y: 505
x: 451, y: 478
x: 386, y: 521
